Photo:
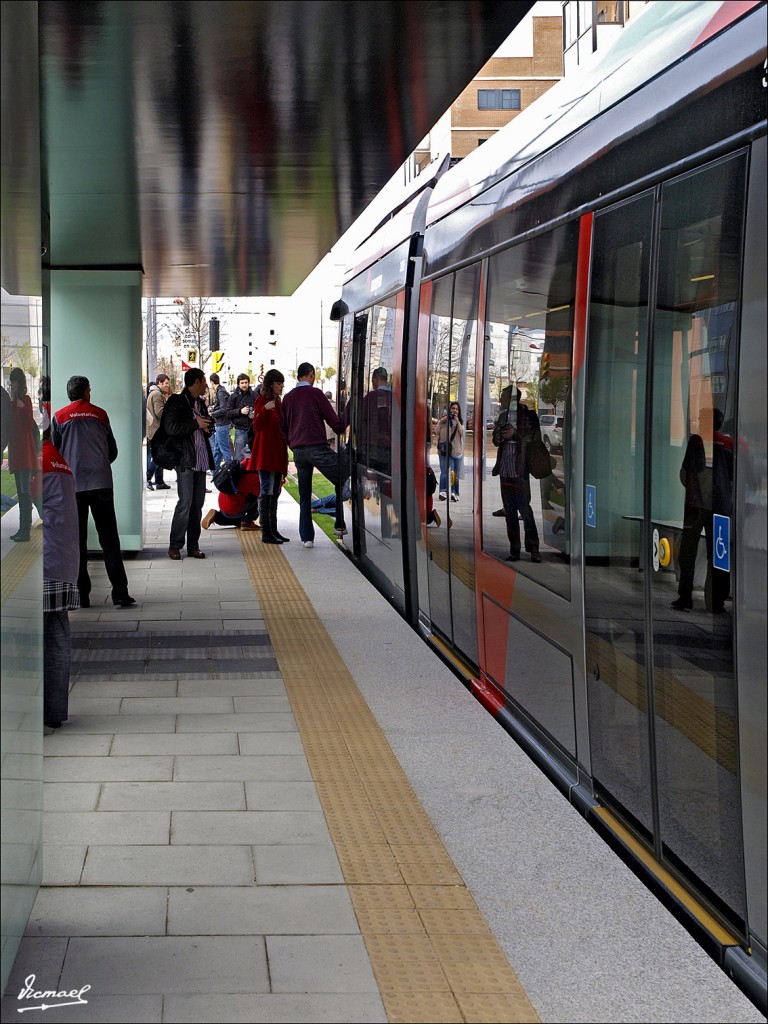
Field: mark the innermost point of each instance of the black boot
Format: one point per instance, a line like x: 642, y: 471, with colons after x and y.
x: 25, y: 518
x: 267, y: 536
x: 273, y: 520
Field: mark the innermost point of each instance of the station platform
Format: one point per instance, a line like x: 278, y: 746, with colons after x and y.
x: 273, y: 802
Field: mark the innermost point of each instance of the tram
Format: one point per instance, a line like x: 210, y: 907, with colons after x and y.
x: 602, y: 260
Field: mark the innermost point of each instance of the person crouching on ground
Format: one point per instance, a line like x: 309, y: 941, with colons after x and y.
x: 238, y: 510
x: 186, y: 418
x: 269, y: 454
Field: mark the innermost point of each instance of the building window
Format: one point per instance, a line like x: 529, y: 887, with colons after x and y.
x: 481, y: 141
x: 498, y: 99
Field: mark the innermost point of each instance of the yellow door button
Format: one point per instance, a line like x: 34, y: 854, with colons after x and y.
x: 665, y: 552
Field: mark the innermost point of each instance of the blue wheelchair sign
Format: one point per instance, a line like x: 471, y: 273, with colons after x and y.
x: 721, y: 543
x: 590, y: 506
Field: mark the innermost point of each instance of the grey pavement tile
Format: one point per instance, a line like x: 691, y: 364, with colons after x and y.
x: 66, y: 744
x: 169, y: 964
x: 279, y: 795
x: 106, y: 769
x: 204, y: 624
x: 247, y: 686
x: 134, y: 796
x: 72, y: 796
x: 267, y: 722
x: 42, y: 957
x: 80, y: 704
x: 275, y: 1008
x: 90, y: 686
x: 297, y: 865
x: 73, y: 828
x: 169, y: 865
x: 288, y: 769
x: 262, y: 910
x: 253, y: 827
x: 176, y: 705
x: 62, y: 865
x: 256, y: 702
x: 99, y: 911
x: 88, y: 623
x: 238, y: 623
x: 319, y: 963
x: 271, y: 743
x: 121, y: 723
x: 234, y: 606
x: 144, y: 612
x: 177, y: 743
x: 107, y: 1010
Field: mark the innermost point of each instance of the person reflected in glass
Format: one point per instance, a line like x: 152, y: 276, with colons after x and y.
x: 707, y: 492
x: 22, y: 450
x: 515, y: 428
x: 450, y: 449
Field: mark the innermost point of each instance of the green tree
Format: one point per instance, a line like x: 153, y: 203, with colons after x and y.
x: 554, y: 391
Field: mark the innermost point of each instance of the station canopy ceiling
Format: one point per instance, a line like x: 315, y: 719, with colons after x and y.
x: 224, y: 147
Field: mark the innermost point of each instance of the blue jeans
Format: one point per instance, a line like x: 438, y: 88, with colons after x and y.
x: 153, y: 470
x: 222, y: 449
x: 56, y: 664
x: 448, y: 463
x: 270, y: 483
x: 334, y: 467
x: 190, y: 484
x: 241, y: 440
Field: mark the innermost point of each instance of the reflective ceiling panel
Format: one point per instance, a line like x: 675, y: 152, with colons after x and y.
x: 224, y: 147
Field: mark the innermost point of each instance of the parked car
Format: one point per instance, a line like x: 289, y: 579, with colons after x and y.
x: 552, y: 432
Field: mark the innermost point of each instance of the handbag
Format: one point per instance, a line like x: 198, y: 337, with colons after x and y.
x: 226, y: 476
x: 444, y: 446
x: 165, y: 449
x: 539, y: 461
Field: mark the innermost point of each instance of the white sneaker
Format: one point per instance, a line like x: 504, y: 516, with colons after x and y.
x: 308, y: 543
x: 454, y: 497
x: 441, y: 495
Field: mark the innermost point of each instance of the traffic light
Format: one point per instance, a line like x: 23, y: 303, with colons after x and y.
x: 218, y: 362
x: 544, y: 371
x: 191, y: 355
x: 213, y: 334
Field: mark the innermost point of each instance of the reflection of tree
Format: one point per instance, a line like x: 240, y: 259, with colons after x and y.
x: 439, y: 362
x: 554, y: 391
x: 22, y: 355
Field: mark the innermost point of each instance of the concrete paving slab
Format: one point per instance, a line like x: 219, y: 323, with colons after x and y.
x: 169, y: 964
x: 143, y: 796
x: 88, y: 686
x: 108, y: 769
x: 319, y: 963
x: 271, y: 743
x: 103, y: 911
x: 177, y: 743
x: 291, y: 769
x: 257, y: 703
x: 223, y: 864
x: 106, y: 1010
x: 75, y: 796
x: 42, y: 956
x: 281, y: 796
x: 80, y: 705
x: 297, y: 865
x: 89, y: 724
x: 261, y: 910
x: 117, y: 827
x: 176, y: 705
x: 237, y: 723
x: 252, y: 827
x: 63, y: 865
x: 275, y: 1009
x: 247, y: 686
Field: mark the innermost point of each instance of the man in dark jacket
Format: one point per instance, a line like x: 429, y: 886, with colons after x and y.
x: 186, y: 418
x: 515, y: 428
x: 222, y: 450
x: 240, y: 413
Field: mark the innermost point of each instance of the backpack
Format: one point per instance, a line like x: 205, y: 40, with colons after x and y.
x: 226, y: 476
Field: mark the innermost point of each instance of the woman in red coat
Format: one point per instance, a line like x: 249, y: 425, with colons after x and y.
x: 22, y: 450
x: 269, y: 454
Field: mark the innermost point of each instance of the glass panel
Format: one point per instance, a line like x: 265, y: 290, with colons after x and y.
x: 438, y: 397
x: 374, y: 437
x: 614, y: 453
x: 529, y: 324
x: 693, y: 452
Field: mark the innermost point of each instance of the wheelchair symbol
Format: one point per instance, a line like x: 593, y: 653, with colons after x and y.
x: 590, y: 505
x: 721, y: 554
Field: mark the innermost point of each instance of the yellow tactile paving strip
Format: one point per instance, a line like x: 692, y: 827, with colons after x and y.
x: 434, y: 957
x: 18, y: 563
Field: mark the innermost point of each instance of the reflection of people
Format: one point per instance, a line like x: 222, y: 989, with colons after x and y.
x: 82, y: 433
x: 238, y: 510
x: 450, y: 434
x: 157, y: 394
x: 269, y: 455
x: 553, y: 498
x: 186, y: 418
x: 376, y: 423
x: 516, y: 426
x: 61, y: 563
x: 303, y: 415
x: 329, y: 432
x: 707, y: 491
x: 22, y: 450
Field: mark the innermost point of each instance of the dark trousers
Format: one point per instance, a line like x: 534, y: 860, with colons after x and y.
x: 190, y: 484
x: 516, y: 497
x: 334, y: 466
x: 101, y: 504
x: 56, y: 662
x: 248, y: 514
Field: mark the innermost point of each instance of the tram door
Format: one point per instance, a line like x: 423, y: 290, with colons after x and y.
x: 659, y: 529
x: 450, y: 534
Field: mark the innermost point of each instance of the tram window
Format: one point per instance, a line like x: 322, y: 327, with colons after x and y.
x: 529, y: 340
